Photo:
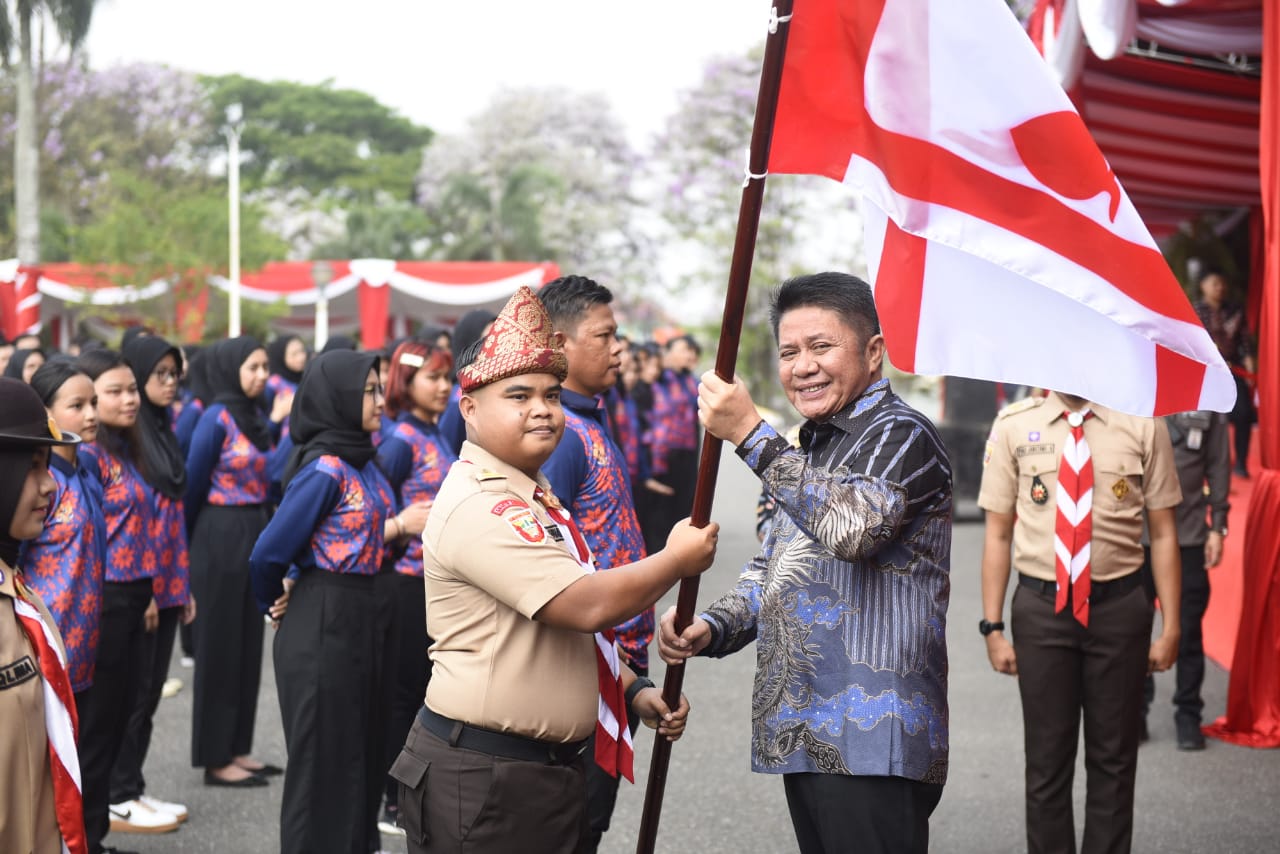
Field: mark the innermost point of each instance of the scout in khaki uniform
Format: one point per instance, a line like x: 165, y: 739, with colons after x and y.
x: 40, y: 806
x: 495, y: 759
x: 1078, y: 478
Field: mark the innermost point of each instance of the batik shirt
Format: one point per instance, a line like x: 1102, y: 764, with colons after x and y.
x: 674, y: 420
x: 624, y: 423
x: 277, y: 384
x: 172, y: 584
x: 64, y: 565
x: 588, y: 475
x: 128, y: 509
x: 848, y: 598
x: 184, y: 426
x: 331, y: 518
x: 224, y: 467
x: 415, y: 459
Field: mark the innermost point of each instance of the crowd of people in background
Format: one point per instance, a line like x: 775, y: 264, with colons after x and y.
x: 211, y: 480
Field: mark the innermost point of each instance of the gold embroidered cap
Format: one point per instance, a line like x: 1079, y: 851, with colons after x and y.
x: 520, y: 342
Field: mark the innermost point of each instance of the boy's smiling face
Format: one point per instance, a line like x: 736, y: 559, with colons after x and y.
x: 519, y: 419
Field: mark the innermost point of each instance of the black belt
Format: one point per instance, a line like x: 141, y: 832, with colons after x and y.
x: 503, y: 744
x: 1098, y: 590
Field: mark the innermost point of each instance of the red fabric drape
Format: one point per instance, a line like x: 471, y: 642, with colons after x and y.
x: 1253, y: 696
x: 375, y: 303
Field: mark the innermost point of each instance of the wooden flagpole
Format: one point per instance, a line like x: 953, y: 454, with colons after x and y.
x: 735, y: 303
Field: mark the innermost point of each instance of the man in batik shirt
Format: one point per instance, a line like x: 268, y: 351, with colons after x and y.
x: 848, y: 597
x: 588, y: 473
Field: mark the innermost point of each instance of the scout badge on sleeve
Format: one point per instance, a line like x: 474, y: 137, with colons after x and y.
x: 1039, y: 492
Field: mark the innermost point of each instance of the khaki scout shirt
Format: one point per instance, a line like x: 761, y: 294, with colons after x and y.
x: 27, y: 819
x: 492, y: 559
x: 1132, y: 469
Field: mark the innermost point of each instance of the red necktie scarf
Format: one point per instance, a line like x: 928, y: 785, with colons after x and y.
x: 1074, y: 528
x: 60, y: 724
x: 614, y: 752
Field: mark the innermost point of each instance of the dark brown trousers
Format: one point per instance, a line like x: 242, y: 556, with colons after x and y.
x: 454, y: 800
x: 1065, y: 672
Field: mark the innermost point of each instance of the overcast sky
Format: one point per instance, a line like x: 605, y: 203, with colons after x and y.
x: 439, y: 61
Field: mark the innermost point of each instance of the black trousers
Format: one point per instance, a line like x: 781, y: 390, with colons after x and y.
x: 228, y: 634
x: 834, y: 813
x: 402, y: 603
x: 127, y: 782
x: 1064, y: 671
x: 327, y: 661
x: 105, y: 705
x: 1187, y: 702
x: 455, y: 800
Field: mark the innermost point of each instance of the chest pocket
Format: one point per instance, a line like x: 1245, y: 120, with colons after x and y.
x: 1037, y: 480
x: 1117, y: 480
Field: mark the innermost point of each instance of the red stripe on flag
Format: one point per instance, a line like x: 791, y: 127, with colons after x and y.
x: 1178, y: 382
x: 899, y: 291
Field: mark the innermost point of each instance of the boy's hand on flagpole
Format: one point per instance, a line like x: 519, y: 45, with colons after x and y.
x: 726, y: 409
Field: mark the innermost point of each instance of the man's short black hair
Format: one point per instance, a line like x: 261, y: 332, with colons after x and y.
x: 688, y: 339
x: 848, y: 296
x: 468, y: 354
x: 569, y: 298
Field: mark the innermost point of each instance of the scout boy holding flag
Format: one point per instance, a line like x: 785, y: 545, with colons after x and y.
x: 519, y: 685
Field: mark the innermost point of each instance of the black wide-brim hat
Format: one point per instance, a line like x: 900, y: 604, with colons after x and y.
x: 24, y: 422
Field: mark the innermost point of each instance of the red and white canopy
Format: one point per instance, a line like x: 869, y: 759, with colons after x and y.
x: 370, y: 295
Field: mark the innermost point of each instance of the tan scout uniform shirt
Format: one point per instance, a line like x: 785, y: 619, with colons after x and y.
x: 1132, y: 469
x: 27, y: 819
x: 491, y: 561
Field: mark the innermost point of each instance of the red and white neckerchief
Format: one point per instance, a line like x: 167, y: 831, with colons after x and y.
x: 614, y: 751
x: 1074, y: 529
x: 60, y: 723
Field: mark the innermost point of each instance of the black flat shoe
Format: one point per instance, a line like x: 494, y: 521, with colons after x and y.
x: 267, y: 770
x: 250, y: 782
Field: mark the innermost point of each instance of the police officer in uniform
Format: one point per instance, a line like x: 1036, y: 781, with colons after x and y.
x: 1202, y: 454
x: 40, y: 810
x: 1079, y: 478
x: 495, y: 758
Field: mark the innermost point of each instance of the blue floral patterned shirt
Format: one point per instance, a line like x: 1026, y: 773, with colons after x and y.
x: 848, y: 598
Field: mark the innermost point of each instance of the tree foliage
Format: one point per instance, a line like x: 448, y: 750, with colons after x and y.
x: 318, y: 138
x: 539, y: 174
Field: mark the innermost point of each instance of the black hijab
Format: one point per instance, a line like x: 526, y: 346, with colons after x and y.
x: 328, y: 410
x: 197, y: 378
x: 18, y: 361
x: 165, y: 469
x: 337, y: 342
x: 275, y: 358
x: 223, y: 368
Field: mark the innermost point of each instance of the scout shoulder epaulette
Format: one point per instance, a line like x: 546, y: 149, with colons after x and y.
x: 1020, y: 406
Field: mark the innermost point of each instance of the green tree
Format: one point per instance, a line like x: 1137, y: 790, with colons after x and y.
x: 391, y: 229
x: 539, y: 174
x: 71, y: 21
x: 319, y: 138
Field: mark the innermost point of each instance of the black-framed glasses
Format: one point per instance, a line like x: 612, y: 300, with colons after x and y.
x: 165, y: 375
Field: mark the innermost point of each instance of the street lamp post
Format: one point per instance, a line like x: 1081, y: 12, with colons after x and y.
x: 322, y: 275
x: 232, y: 130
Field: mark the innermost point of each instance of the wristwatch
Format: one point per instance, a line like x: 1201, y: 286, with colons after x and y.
x: 1222, y: 532
x: 987, y: 627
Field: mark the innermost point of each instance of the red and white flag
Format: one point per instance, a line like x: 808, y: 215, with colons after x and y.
x: 999, y: 241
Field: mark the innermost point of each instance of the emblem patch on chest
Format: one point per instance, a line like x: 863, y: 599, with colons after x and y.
x: 22, y: 670
x: 1039, y: 492
x: 524, y: 523
x: 1120, y: 489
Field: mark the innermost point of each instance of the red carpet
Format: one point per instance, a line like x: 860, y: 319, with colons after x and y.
x: 1222, y: 618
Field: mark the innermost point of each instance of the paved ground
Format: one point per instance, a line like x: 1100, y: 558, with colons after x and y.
x: 1222, y: 800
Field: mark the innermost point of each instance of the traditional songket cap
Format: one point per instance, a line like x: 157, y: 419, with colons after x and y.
x: 520, y: 342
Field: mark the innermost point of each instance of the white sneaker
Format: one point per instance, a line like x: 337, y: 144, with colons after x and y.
x: 178, y: 811
x: 136, y: 817
x: 171, y: 687
x: 188, y: 661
